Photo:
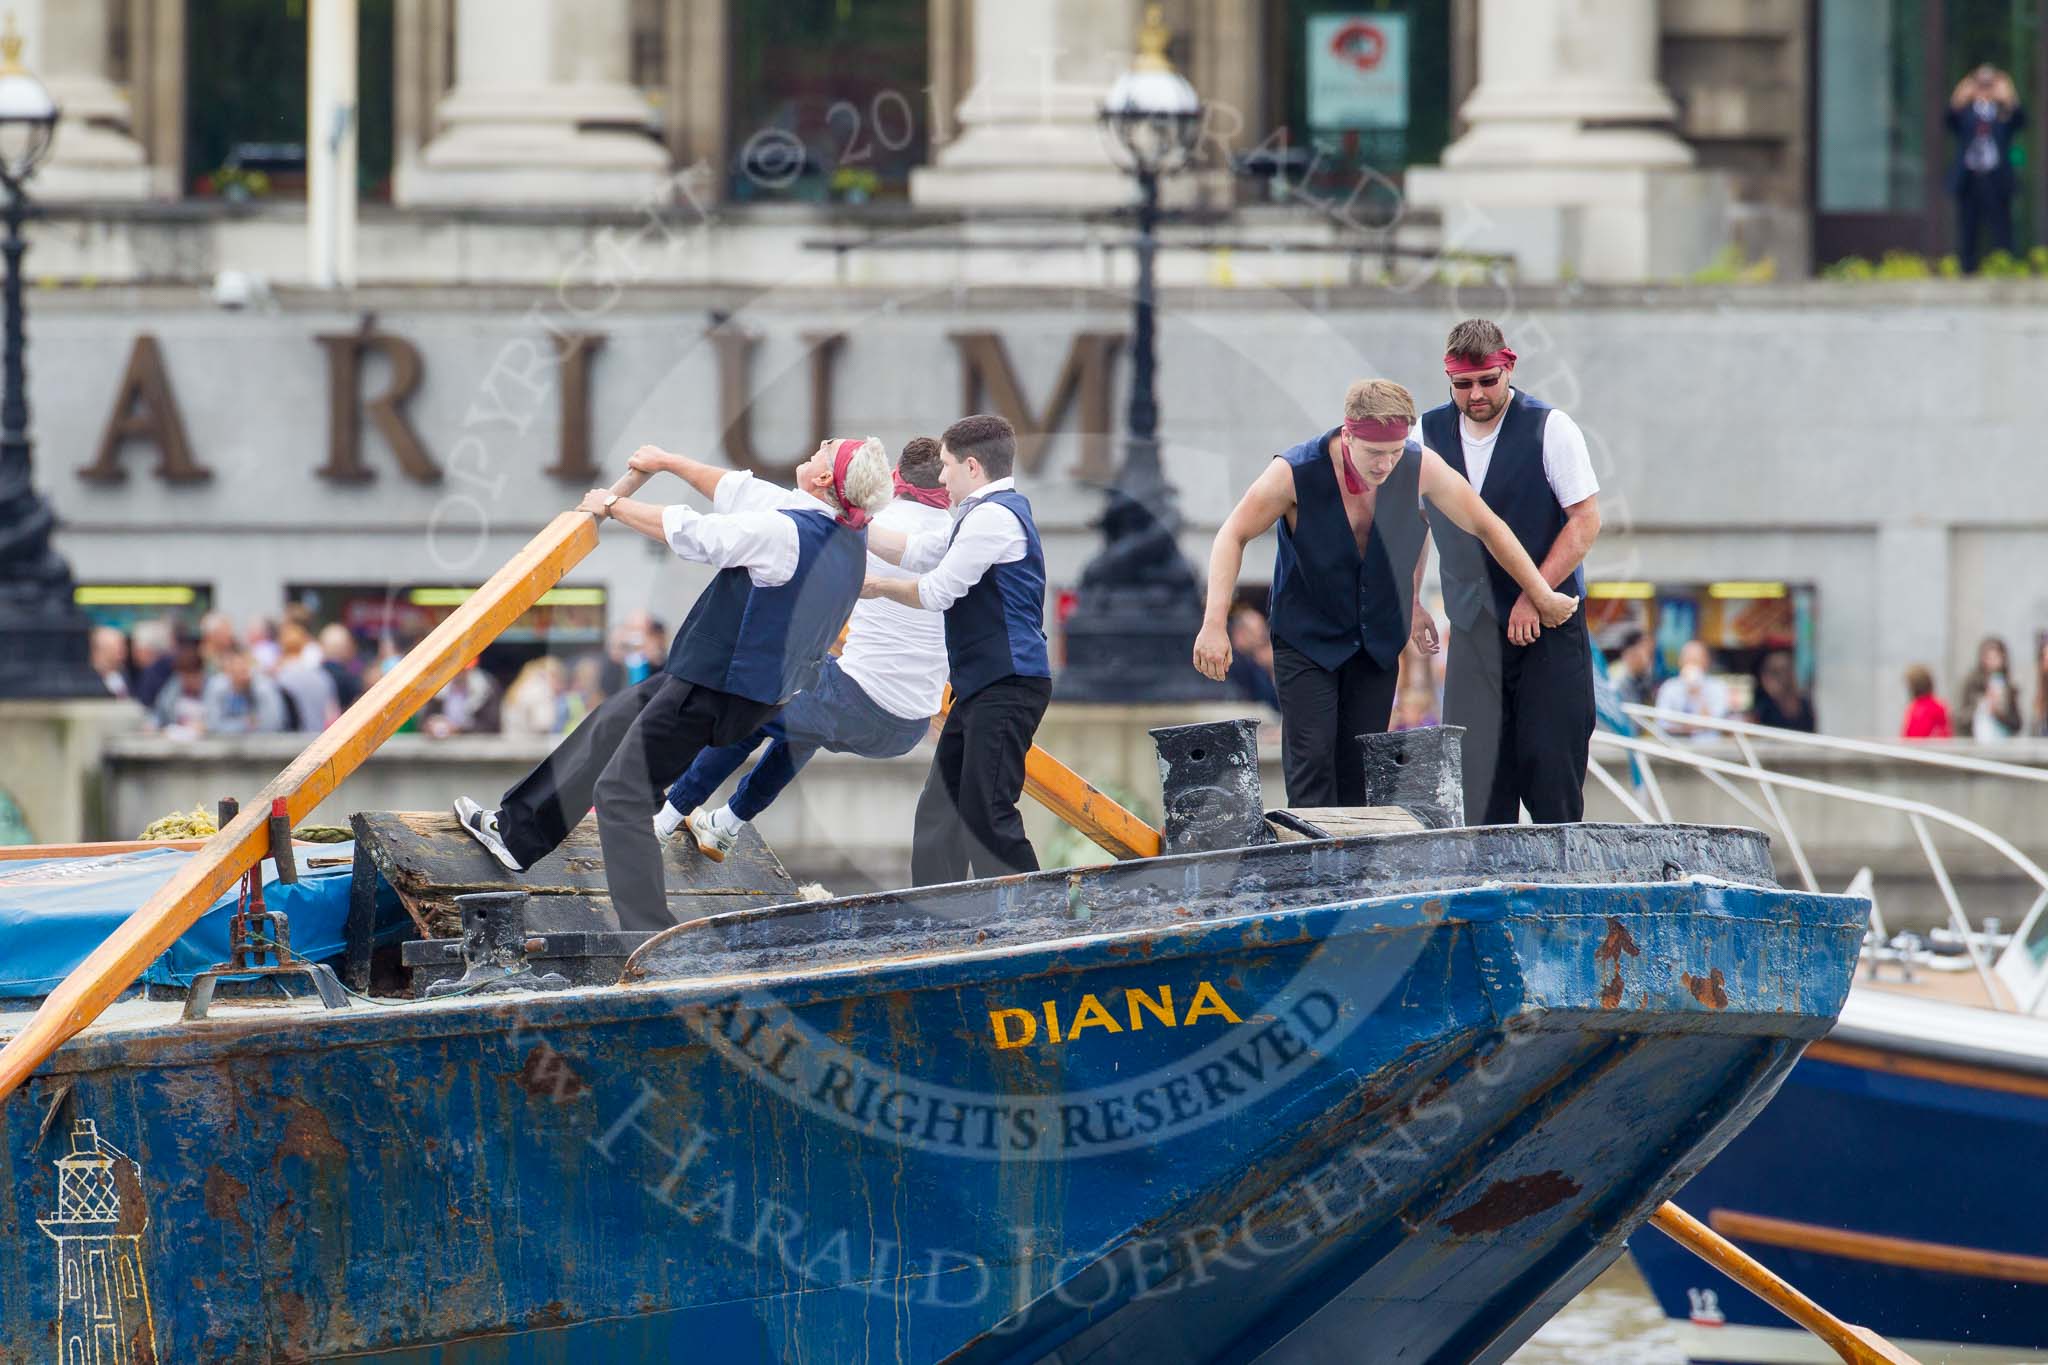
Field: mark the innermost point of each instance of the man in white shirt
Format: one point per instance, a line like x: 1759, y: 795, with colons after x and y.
x: 876, y: 699
x: 1524, y: 693
x: 988, y: 576
x: 790, y: 570
x: 1694, y: 692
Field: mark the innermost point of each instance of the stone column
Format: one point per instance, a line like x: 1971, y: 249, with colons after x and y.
x: 94, y: 156
x: 1028, y: 135
x: 542, y: 111
x: 1570, y: 162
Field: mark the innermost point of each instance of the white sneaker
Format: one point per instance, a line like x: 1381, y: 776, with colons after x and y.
x: 483, y: 827
x: 713, y: 837
x: 667, y: 821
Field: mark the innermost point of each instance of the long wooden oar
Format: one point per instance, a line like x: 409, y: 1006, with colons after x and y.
x: 1076, y: 800
x: 338, y: 751
x: 1857, y: 1345
x: 1070, y: 797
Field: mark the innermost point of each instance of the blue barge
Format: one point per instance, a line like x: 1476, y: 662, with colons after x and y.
x: 1393, y: 1098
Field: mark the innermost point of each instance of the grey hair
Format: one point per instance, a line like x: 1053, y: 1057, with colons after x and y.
x: 870, y: 482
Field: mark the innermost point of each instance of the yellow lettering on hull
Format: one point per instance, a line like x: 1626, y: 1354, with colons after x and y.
x: 1014, y: 1026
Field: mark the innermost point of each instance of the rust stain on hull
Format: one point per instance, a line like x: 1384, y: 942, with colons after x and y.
x: 1617, y: 944
x: 1507, y: 1202
x: 547, y: 1075
x: 1711, y: 991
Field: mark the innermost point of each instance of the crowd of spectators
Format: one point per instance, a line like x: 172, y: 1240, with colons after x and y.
x: 1989, y: 707
x: 292, y: 674
x: 1775, y: 696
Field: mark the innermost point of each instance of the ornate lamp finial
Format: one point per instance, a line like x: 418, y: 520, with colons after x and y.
x: 1153, y: 36
x: 10, y: 48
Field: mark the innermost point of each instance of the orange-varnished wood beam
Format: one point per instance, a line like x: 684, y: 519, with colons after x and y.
x: 2010, y: 1266
x: 1077, y: 801
x: 16, y: 853
x: 1856, y: 1345
x: 338, y: 751
x: 1928, y: 1068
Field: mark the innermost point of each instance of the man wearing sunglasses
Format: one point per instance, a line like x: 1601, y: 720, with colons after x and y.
x: 1523, y: 692
x: 1347, y: 506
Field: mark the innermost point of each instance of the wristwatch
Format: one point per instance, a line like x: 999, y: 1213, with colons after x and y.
x: 609, y: 500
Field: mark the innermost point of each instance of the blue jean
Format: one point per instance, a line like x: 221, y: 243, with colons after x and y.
x: 832, y: 714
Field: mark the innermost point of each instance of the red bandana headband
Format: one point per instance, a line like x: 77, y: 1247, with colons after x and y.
x: 851, y: 517
x: 930, y: 497
x: 1376, y: 429
x: 1501, y: 359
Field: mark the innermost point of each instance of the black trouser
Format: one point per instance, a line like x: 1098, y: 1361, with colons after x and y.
x: 1983, y: 204
x: 1528, y: 717
x: 1322, y: 714
x: 967, y: 814
x: 619, y: 759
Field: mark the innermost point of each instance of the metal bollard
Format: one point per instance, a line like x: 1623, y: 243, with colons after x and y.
x: 494, y: 947
x: 1421, y: 771
x: 1209, y: 774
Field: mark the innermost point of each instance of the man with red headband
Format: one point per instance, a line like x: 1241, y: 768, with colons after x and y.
x: 1521, y: 686
x: 875, y: 700
x: 1348, y: 505
x: 790, y: 569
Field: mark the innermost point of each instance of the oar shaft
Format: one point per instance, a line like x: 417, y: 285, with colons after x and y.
x: 1857, y: 1345
x: 335, y: 753
x: 1077, y: 801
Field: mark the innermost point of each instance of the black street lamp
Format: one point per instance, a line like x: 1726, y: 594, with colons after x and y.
x: 46, y: 649
x: 1132, y: 632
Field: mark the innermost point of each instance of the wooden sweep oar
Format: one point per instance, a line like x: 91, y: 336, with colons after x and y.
x: 337, y: 751
x: 1069, y: 796
x: 1076, y: 800
x: 1857, y: 1345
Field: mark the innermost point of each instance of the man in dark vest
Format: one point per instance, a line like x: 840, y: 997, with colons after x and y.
x: 987, y: 574
x: 1351, y: 531
x: 1521, y: 685
x: 876, y: 699
x: 790, y: 569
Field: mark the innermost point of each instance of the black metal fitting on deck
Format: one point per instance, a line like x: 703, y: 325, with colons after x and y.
x: 494, y: 948
x: 1209, y: 774
x: 1421, y: 771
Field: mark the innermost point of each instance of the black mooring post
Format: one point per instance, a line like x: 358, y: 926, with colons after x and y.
x: 1209, y: 774
x: 1421, y: 771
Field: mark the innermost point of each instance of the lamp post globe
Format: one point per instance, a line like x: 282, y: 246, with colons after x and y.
x: 48, y: 638
x: 1139, y: 605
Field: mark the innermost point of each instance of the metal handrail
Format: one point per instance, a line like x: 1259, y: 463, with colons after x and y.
x: 1909, y: 753
x: 1919, y: 812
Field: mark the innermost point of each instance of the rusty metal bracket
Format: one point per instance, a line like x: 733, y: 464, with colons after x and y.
x: 260, y: 939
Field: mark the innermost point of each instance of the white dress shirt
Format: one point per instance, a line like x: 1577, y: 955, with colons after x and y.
x: 989, y: 534
x: 1566, y: 463
x: 896, y: 653
x: 744, y: 529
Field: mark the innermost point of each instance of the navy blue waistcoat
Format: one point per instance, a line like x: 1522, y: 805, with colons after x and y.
x: 765, y: 644
x: 1517, y: 490
x: 1328, y: 600
x: 997, y: 627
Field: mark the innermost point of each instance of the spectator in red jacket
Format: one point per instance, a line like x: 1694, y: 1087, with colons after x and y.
x: 1926, y: 714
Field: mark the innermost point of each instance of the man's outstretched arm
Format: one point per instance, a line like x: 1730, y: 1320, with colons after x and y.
x: 651, y: 459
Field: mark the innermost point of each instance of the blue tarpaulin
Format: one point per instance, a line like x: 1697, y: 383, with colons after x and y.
x: 53, y: 912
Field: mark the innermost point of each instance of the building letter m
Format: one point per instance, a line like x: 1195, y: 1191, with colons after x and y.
x: 985, y: 368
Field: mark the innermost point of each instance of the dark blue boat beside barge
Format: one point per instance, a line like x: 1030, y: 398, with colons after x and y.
x: 1331, y: 1100
x: 1897, y: 1178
